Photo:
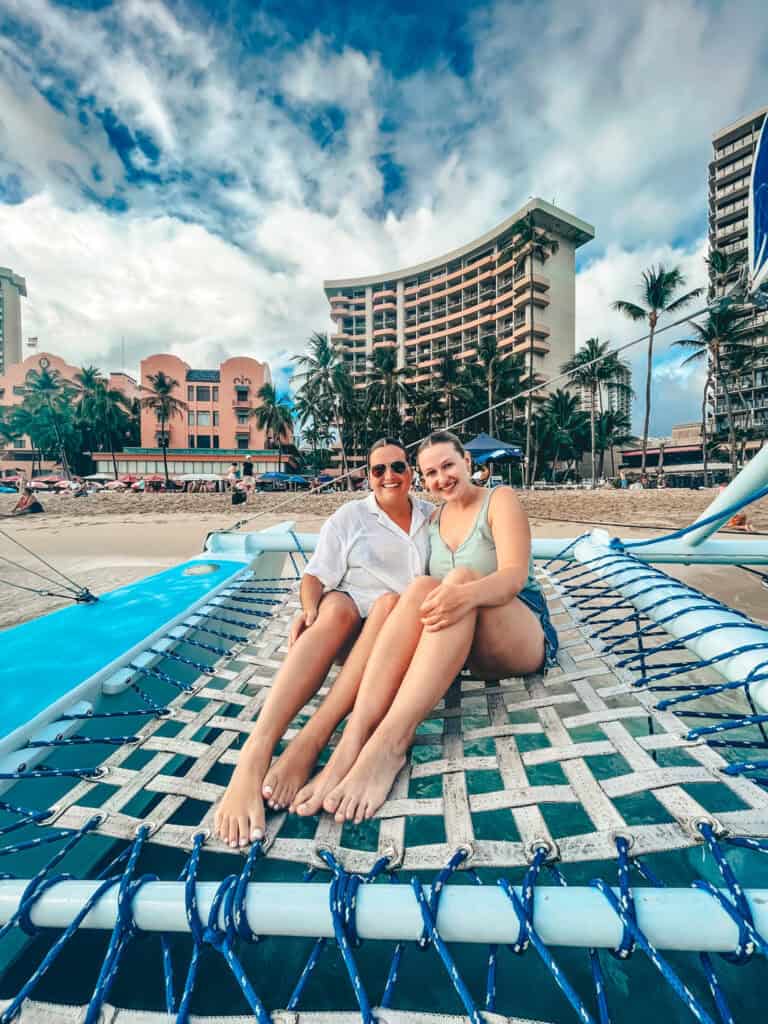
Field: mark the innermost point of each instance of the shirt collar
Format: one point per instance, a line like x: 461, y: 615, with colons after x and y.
x: 418, y: 517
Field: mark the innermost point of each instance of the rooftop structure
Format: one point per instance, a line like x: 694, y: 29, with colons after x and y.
x: 729, y: 178
x: 492, y: 287
x: 12, y: 289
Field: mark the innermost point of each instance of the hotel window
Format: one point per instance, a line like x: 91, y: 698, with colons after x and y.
x: 242, y: 419
x: 203, y: 394
x: 191, y: 440
x: 203, y: 441
x: 241, y: 394
x: 215, y: 441
x: 215, y: 417
x: 190, y: 393
x: 203, y: 419
x: 190, y: 418
x: 215, y: 394
x: 242, y: 443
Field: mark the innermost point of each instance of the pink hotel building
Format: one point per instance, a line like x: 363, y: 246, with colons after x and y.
x: 447, y: 305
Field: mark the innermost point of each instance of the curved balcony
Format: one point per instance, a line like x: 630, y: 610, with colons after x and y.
x: 380, y: 306
x: 379, y: 331
x: 384, y: 344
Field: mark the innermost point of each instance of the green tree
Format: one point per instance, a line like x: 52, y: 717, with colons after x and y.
x: 274, y: 416
x: 162, y: 401
x: 456, y: 387
x: 489, y: 360
x: 324, y: 373
x: 568, y: 426
x: 657, y: 289
x: 47, y: 389
x: 389, y: 388
x: 723, y: 342
x: 592, y: 366
x: 612, y: 430
x: 535, y: 243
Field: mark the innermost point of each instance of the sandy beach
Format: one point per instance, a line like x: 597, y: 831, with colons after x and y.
x: 106, y: 540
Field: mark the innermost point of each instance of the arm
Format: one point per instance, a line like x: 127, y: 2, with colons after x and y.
x: 512, y: 536
x: 324, y: 572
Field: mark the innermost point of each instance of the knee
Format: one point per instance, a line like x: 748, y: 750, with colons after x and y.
x: 420, y: 588
x: 339, y: 613
x: 385, y: 603
x: 461, y: 574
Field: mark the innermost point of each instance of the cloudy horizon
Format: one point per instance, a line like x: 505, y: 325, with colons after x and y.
x: 176, y: 177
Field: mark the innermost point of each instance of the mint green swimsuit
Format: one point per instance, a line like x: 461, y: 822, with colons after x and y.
x: 478, y: 551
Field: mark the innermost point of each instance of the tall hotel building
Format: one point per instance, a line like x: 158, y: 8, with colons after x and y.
x: 449, y: 304
x: 730, y: 171
x: 12, y: 288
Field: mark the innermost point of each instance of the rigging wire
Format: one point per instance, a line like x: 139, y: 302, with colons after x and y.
x: 34, y: 572
x: 14, y: 540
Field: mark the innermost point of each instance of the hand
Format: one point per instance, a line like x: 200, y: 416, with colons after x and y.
x: 446, y: 605
x: 301, y: 622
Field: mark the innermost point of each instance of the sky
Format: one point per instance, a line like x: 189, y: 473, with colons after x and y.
x: 181, y: 176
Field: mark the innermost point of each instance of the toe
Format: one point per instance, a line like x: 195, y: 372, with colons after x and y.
x: 332, y: 801
x: 242, y: 831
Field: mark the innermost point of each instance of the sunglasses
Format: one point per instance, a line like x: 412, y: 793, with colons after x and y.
x: 398, y: 466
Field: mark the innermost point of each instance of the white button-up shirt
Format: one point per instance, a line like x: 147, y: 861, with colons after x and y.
x: 363, y: 553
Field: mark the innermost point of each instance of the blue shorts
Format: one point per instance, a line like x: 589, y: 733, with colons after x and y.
x: 535, y: 600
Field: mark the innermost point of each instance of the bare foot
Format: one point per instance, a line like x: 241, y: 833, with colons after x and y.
x: 365, y: 788
x: 309, y: 799
x: 290, y: 771
x: 239, y: 818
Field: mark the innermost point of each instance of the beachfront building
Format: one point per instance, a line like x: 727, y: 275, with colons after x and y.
x: 12, y: 289
x: 220, y: 404
x: 448, y: 304
x: 217, y: 425
x: 729, y: 178
x: 17, y: 454
x: 679, y: 458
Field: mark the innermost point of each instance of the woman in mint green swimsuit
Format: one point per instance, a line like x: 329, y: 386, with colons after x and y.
x: 480, y: 606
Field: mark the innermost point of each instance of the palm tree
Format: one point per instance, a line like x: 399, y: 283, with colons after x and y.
x: 164, y: 404
x: 592, y: 366
x: 454, y: 383
x: 489, y: 358
x: 724, y: 341
x: 540, y: 245
x: 567, y: 424
x: 389, y: 388
x: 612, y: 430
x: 325, y: 374
x: 273, y: 415
x: 657, y: 290
x: 47, y: 387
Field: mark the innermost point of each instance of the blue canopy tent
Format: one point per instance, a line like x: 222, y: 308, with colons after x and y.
x: 485, y: 449
x: 509, y: 453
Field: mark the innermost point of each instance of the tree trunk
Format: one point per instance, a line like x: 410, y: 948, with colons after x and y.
x: 164, y: 439
x: 704, y: 453
x: 112, y: 453
x: 279, y: 455
x: 729, y: 414
x: 652, y: 318
x: 593, y: 399
x: 490, y: 402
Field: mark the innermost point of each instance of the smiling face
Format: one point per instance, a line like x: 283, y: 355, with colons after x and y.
x: 445, y: 471
x: 389, y: 487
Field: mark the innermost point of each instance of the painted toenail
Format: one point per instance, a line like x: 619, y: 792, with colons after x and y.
x: 257, y: 834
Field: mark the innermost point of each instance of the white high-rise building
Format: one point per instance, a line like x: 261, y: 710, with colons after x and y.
x: 12, y: 288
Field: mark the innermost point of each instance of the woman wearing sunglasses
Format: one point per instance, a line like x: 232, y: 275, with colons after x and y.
x: 480, y: 606
x: 368, y: 553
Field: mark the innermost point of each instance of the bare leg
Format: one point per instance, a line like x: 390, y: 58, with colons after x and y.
x: 292, y: 768
x: 511, y: 641
x: 383, y: 674
x: 239, y: 818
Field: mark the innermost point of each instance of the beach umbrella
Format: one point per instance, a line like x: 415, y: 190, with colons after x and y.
x: 325, y: 478
x: 156, y: 478
x: 52, y: 478
x: 296, y: 478
x: 114, y: 485
x: 62, y: 485
x: 39, y: 485
x: 506, y: 454
x: 128, y: 478
x: 99, y: 476
x: 7, y: 490
x: 275, y: 475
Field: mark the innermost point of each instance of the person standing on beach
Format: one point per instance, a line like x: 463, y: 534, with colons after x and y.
x: 248, y: 473
x: 367, y: 554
